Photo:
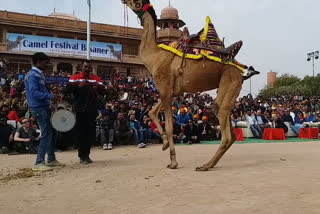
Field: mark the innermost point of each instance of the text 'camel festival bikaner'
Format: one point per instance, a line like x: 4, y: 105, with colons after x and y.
x: 159, y: 107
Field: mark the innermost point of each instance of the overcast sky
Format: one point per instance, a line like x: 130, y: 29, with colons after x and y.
x: 277, y: 34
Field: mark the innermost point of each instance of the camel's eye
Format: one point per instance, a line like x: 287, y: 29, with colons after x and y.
x: 138, y: 5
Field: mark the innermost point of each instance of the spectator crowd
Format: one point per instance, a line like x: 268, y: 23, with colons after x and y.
x: 122, y: 114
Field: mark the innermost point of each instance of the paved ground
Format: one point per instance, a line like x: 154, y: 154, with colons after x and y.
x: 252, y: 178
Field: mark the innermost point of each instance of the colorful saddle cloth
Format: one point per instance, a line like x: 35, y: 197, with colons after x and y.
x: 205, y: 44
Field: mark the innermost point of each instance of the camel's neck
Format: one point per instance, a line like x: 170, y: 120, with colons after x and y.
x: 148, y: 46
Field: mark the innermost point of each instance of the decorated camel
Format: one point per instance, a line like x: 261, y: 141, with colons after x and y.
x: 176, y: 70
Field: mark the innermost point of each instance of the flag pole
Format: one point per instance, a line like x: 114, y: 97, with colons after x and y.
x: 89, y: 31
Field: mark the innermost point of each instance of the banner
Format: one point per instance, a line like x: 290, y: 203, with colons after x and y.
x: 29, y: 43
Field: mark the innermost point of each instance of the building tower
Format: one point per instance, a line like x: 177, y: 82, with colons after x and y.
x: 272, y: 76
x: 169, y: 24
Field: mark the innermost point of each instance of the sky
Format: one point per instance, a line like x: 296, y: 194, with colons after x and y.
x: 276, y: 34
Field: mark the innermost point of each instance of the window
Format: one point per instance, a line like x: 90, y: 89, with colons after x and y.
x: 104, y: 72
x: 130, y: 49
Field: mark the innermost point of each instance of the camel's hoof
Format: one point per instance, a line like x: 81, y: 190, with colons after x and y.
x: 202, y: 169
x: 165, y: 146
x: 172, y: 166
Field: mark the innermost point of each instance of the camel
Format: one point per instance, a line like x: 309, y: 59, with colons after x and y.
x: 197, y: 76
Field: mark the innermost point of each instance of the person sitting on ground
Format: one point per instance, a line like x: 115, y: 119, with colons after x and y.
x: 137, y: 130
x: 206, y: 132
x: 26, y: 138
x: 178, y: 136
x: 191, y: 132
x: 105, y: 135
x: 148, y: 133
x: 108, y: 110
x: 137, y: 110
x: 145, y: 112
x: 253, y: 124
x: 182, y: 118
x: 12, y: 115
x: 122, y: 128
x: 6, y: 135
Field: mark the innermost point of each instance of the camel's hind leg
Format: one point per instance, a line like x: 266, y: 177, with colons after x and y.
x: 154, y: 117
x: 229, y: 90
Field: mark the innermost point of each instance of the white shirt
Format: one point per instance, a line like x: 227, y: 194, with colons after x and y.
x: 3, y: 81
x: 251, y: 120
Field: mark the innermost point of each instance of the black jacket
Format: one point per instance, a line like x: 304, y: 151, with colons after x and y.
x: 288, y: 118
x: 280, y: 124
x: 263, y: 119
x: 207, y: 127
x: 190, y: 131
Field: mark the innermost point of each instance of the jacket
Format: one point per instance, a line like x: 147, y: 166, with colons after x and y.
x: 121, y: 125
x: 182, y: 119
x: 263, y: 118
x: 36, y: 91
x: 287, y: 118
x: 205, y: 126
x: 137, y: 124
x: 85, y: 98
x: 189, y: 132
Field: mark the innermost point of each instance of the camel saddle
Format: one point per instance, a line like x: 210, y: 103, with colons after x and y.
x: 205, y: 43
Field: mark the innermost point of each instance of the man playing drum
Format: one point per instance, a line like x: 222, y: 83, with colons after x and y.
x: 85, y: 88
x: 38, y: 99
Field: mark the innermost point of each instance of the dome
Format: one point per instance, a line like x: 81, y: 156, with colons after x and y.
x: 64, y: 16
x: 169, y: 13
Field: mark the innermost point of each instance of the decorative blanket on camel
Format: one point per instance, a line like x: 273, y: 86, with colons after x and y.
x: 204, y: 44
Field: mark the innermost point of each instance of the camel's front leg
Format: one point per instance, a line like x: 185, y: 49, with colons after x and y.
x: 153, y: 114
x: 169, y: 129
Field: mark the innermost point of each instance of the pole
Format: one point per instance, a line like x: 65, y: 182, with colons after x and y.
x: 250, y: 85
x: 313, y: 64
x: 89, y: 31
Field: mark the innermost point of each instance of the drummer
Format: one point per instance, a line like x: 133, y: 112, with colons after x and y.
x: 85, y: 88
x: 38, y: 99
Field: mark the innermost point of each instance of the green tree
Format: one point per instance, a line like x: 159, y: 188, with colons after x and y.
x: 286, y: 80
x: 288, y: 84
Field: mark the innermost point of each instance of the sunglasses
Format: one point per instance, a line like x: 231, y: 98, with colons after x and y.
x: 25, y: 122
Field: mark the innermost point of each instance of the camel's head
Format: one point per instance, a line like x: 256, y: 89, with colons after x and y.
x: 136, y: 5
x: 140, y: 7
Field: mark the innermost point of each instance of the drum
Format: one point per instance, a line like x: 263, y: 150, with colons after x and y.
x: 63, y: 119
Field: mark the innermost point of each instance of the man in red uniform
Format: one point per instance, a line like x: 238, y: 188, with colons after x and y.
x: 84, y: 89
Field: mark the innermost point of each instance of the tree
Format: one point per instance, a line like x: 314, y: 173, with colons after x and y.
x: 290, y: 85
x: 286, y: 80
